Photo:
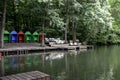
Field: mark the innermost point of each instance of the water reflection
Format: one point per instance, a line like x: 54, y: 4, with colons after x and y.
x: 55, y: 55
x: 14, y: 62
x: 21, y: 61
x: 108, y: 75
x: 99, y: 64
x: 73, y: 52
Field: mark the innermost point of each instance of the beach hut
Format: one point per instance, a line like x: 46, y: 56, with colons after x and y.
x: 21, y: 36
x: 13, y: 37
x: 6, y: 36
x: 41, y: 37
x: 28, y: 36
x: 35, y: 37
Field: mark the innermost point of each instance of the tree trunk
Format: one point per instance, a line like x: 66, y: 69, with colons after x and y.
x: 43, y: 28
x: 74, y: 31
x: 67, y: 21
x: 3, y: 25
x: 66, y: 30
x: 14, y: 17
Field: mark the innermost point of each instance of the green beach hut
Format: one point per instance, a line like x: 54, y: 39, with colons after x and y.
x: 6, y: 36
x: 35, y: 37
x: 28, y: 36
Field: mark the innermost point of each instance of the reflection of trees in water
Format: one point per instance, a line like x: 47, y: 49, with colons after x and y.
x: 55, y: 65
x: 61, y: 76
x: 107, y: 75
x: 7, y: 63
x: 94, y: 65
x: 28, y: 61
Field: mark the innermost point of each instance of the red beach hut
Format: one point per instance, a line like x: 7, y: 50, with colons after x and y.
x: 21, y: 36
x: 41, y: 37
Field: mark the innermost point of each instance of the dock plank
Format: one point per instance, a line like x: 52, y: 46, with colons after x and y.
x: 17, y: 77
x: 43, y: 75
x: 4, y: 78
x: 33, y: 75
x: 28, y: 76
x: 39, y: 75
x: 11, y: 78
x: 23, y: 77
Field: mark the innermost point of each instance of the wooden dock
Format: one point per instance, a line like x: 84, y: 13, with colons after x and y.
x: 18, y: 48
x: 34, y: 75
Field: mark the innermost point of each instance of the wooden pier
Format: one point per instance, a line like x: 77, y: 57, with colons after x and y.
x: 18, y: 48
x: 34, y: 75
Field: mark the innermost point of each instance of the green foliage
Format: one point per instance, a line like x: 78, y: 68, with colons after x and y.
x: 95, y: 21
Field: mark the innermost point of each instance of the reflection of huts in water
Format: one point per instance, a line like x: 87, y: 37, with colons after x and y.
x: 28, y: 60
x: 36, y: 60
x: 14, y: 62
x: 6, y: 63
x: 21, y: 61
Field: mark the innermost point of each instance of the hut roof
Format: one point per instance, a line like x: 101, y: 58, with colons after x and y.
x: 13, y: 32
x: 27, y: 33
x: 21, y: 33
x: 6, y: 32
x: 35, y: 33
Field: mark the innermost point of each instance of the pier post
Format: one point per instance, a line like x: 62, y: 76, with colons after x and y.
x: 2, y: 67
x: 66, y: 62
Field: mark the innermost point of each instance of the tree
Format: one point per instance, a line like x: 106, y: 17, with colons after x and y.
x: 88, y: 20
x: 96, y: 19
x: 67, y: 19
x: 75, y: 10
x: 2, y: 27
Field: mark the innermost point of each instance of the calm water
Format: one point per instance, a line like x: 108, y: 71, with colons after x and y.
x: 102, y: 63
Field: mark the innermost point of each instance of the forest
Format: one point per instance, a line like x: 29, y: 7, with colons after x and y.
x: 90, y: 21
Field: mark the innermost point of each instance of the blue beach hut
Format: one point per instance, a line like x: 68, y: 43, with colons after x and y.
x: 13, y: 37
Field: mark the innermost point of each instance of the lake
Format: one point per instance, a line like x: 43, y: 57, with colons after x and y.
x: 101, y: 63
